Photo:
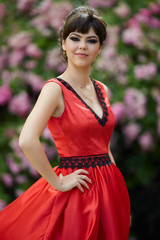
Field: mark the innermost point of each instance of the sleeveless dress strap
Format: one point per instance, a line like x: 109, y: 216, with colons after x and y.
x: 53, y: 80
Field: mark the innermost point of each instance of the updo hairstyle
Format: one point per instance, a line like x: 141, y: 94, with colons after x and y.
x: 81, y: 19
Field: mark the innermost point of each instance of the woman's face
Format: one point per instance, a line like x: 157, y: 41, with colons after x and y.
x: 82, y: 49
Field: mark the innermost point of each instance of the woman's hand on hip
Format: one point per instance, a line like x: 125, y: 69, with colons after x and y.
x: 75, y: 179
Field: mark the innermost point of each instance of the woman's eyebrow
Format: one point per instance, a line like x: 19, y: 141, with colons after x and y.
x: 81, y: 36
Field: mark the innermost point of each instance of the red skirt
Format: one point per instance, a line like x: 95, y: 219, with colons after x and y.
x: 41, y: 212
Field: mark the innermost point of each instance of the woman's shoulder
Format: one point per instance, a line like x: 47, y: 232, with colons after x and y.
x: 52, y: 88
x: 52, y: 82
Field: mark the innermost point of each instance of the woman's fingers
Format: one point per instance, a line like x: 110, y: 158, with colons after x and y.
x: 84, y: 177
x: 76, y: 179
x: 80, y: 187
x: 82, y: 171
x: 84, y: 184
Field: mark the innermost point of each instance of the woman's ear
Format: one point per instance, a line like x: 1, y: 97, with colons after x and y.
x: 100, y: 49
x: 63, y: 45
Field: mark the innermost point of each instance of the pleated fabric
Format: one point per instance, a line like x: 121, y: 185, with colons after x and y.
x: 101, y: 213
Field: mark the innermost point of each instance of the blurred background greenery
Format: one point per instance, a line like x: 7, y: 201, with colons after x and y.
x: 128, y: 65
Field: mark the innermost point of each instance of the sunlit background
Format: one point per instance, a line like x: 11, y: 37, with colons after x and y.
x: 129, y: 65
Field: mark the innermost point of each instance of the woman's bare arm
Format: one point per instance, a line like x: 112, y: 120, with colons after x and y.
x: 29, y: 140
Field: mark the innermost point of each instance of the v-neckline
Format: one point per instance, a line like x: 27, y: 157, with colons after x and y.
x: 102, y: 121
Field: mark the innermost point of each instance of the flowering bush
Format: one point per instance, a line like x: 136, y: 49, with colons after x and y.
x: 128, y: 65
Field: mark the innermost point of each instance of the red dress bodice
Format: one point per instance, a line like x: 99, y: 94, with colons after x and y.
x: 79, y: 131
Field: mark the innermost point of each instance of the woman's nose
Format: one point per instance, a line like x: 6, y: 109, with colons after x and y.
x: 82, y: 44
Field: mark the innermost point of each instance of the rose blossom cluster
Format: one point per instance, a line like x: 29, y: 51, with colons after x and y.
x: 135, y: 103
x: 5, y: 94
x: 101, y: 3
x: 110, y: 60
x: 122, y: 10
x: 3, y: 204
x: 145, y: 71
x: 156, y: 97
x: 119, y: 112
x: 146, y: 141
x: 131, y: 132
x: 48, y: 15
x: 20, y: 104
x: 133, y: 34
x: 21, y: 47
x: 3, y: 13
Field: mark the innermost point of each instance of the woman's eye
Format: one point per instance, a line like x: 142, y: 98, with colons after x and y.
x: 74, y: 39
x: 92, y: 41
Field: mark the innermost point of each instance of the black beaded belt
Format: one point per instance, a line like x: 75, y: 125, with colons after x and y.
x: 85, y: 161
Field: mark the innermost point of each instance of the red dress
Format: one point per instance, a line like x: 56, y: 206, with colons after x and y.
x: 101, y: 213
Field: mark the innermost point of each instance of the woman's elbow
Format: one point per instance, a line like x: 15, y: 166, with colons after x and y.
x: 26, y: 142
x: 23, y: 142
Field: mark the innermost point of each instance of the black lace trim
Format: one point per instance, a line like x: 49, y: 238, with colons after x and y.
x: 85, y: 161
x: 102, y: 121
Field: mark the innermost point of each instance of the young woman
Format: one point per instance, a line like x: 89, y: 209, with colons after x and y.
x: 85, y: 197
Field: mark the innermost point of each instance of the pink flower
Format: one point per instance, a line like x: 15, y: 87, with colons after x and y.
x: 15, y: 58
x: 50, y: 151
x: 41, y: 23
x: 54, y: 61
x: 14, y: 167
x: 158, y: 56
x: 145, y: 71
x: 121, y: 62
x: 158, y: 109
x: 146, y: 141
x: 1, y: 27
x: 7, y: 179
x: 30, y: 64
x: 101, y: 3
x: 35, y: 81
x: 133, y: 23
x: 25, y: 5
x: 47, y: 135
x: 142, y: 18
x: 45, y: 6
x: 24, y: 164
x: 109, y: 53
x: 122, y: 10
x: 3, y: 57
x: 119, y: 111
x: 51, y: 17
x: 10, y: 132
x: 6, y: 76
x: 154, y: 23
x: 20, y: 40
x: 135, y: 103
x: 20, y: 104
x: 18, y: 192
x: 145, y: 11
x: 5, y: 94
x: 3, y: 204
x: 113, y: 37
x: 33, y: 51
x: 34, y: 173
x: 58, y: 12
x: 133, y: 36
x: 131, y: 131
x: 20, y: 179
x: 122, y: 79
x: 2, y: 11
x: 155, y: 9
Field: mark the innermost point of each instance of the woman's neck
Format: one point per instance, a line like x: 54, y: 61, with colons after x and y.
x: 77, y: 76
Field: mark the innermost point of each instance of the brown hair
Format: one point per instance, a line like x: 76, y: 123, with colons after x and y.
x: 81, y: 19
